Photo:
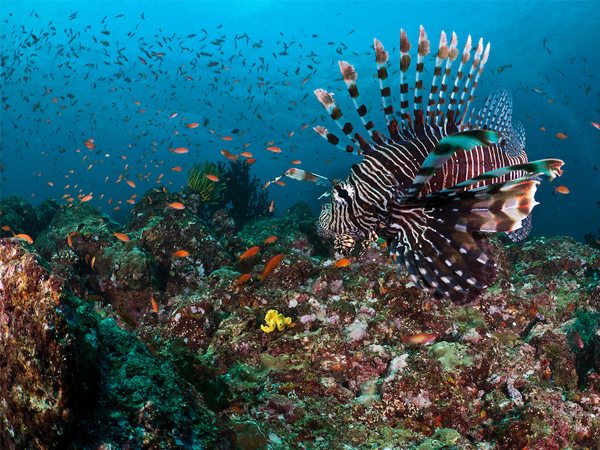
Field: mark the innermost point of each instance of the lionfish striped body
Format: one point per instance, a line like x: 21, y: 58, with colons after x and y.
x: 440, y: 179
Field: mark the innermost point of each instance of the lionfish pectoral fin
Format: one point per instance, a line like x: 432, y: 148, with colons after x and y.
x: 302, y: 175
x: 439, y: 238
x: 439, y: 259
x: 520, y: 234
x: 443, y: 151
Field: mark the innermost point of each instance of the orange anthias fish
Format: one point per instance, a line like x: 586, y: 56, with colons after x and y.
x: 180, y: 150
x: 86, y: 198
x: 227, y: 154
x: 131, y: 183
x: 181, y: 253
x: 250, y: 252
x: 270, y: 266
x: 192, y: 125
x: 420, y: 338
x: 242, y: 279
x: 89, y: 144
x: 25, y: 237
x: 274, y: 149
x: 176, y: 169
x: 562, y: 190
x: 344, y: 262
x: 154, y: 304
x: 70, y: 238
x: 121, y: 236
x: 270, y: 239
x: 227, y: 138
x: 561, y: 136
x: 212, y: 177
x: 176, y: 205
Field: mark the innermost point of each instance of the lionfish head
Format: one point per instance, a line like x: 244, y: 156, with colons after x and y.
x: 335, y: 223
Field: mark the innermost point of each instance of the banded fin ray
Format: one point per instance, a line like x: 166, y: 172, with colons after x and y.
x: 326, y: 99
x: 381, y: 58
x: 496, y: 113
x: 455, y: 264
x: 301, y: 175
x: 441, y: 56
x: 350, y: 76
x: 521, y: 234
x: 435, y: 234
x: 423, y: 50
x: 452, y: 55
x: 335, y: 140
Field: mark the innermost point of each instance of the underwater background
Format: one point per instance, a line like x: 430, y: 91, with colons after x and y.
x: 115, y: 72
x: 161, y: 287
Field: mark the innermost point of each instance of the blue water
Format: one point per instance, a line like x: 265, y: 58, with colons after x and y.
x: 62, y: 85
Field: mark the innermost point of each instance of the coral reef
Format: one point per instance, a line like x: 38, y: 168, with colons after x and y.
x: 176, y: 352
x: 71, y: 377
x: 24, y: 218
x: 248, y: 201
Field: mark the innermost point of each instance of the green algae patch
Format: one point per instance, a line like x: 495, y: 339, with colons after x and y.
x: 586, y: 325
x: 443, y: 438
x: 467, y: 318
x: 451, y: 355
x: 281, y: 362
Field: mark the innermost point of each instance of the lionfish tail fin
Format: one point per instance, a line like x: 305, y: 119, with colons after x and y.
x: 439, y: 241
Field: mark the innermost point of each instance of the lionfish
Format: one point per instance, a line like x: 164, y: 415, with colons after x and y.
x: 440, y: 180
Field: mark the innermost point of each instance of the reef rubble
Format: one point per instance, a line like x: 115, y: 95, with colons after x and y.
x: 110, y: 338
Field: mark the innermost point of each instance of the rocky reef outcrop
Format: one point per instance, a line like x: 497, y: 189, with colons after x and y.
x: 158, y: 335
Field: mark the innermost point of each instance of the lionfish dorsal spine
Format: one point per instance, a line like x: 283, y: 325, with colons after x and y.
x: 422, y: 51
x: 466, y: 54
x: 350, y: 76
x: 442, y: 55
x: 452, y: 55
x: 462, y: 104
x: 404, y: 65
x: 381, y: 58
x: 471, y: 96
x: 333, y: 139
x: 326, y: 99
